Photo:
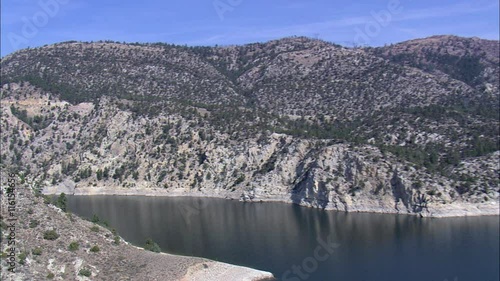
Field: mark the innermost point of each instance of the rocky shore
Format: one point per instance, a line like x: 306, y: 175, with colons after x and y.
x: 98, y: 253
x: 462, y: 209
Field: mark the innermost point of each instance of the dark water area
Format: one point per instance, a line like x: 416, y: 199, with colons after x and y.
x: 297, y: 243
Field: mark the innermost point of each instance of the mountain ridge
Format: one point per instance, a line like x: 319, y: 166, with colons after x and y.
x: 254, y: 121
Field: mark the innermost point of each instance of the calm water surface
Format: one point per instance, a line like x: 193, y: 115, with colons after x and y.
x: 285, y: 239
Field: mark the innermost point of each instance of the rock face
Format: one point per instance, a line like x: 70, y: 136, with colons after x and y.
x: 295, y: 120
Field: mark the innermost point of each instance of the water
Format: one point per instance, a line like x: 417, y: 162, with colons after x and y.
x: 279, y: 238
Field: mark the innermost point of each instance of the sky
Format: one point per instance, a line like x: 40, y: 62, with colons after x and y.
x: 33, y: 23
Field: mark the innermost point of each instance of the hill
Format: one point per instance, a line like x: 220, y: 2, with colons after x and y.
x: 409, y: 128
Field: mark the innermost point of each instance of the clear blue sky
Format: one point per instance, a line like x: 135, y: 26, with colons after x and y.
x: 30, y: 23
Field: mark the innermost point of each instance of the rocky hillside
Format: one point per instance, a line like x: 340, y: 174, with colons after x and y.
x: 296, y: 119
x: 473, y: 61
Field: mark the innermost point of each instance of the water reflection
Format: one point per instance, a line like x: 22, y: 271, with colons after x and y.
x: 274, y: 237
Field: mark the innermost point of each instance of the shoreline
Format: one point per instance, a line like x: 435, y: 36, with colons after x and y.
x: 206, y: 268
x: 461, y: 209
x: 116, y: 260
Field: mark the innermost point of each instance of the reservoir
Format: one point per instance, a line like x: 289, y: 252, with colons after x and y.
x: 297, y: 243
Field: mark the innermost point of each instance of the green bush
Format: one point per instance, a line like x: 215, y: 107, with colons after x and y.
x: 152, y: 246
x: 62, y: 202
x: 50, y: 275
x: 95, y: 219
x: 85, y: 272
x: 33, y: 223
x: 22, y: 257
x: 95, y: 228
x: 74, y: 246
x: 50, y: 235
x: 37, y: 251
x: 95, y: 249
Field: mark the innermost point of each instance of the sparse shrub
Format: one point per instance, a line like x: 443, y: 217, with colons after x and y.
x: 152, y: 246
x: 418, y: 184
x: 162, y: 176
x: 240, y: 179
x: 95, y: 228
x: 50, y: 235
x: 464, y: 188
x: 37, y: 251
x: 50, y: 275
x: 431, y: 192
x: 95, y: 219
x: 85, y: 173
x: 95, y: 249
x: 99, y: 174
x: 116, y: 240
x: 22, y: 257
x: 33, y: 223
x: 379, y: 187
x: 62, y: 202
x: 85, y: 272
x: 74, y: 246
x: 362, y: 184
